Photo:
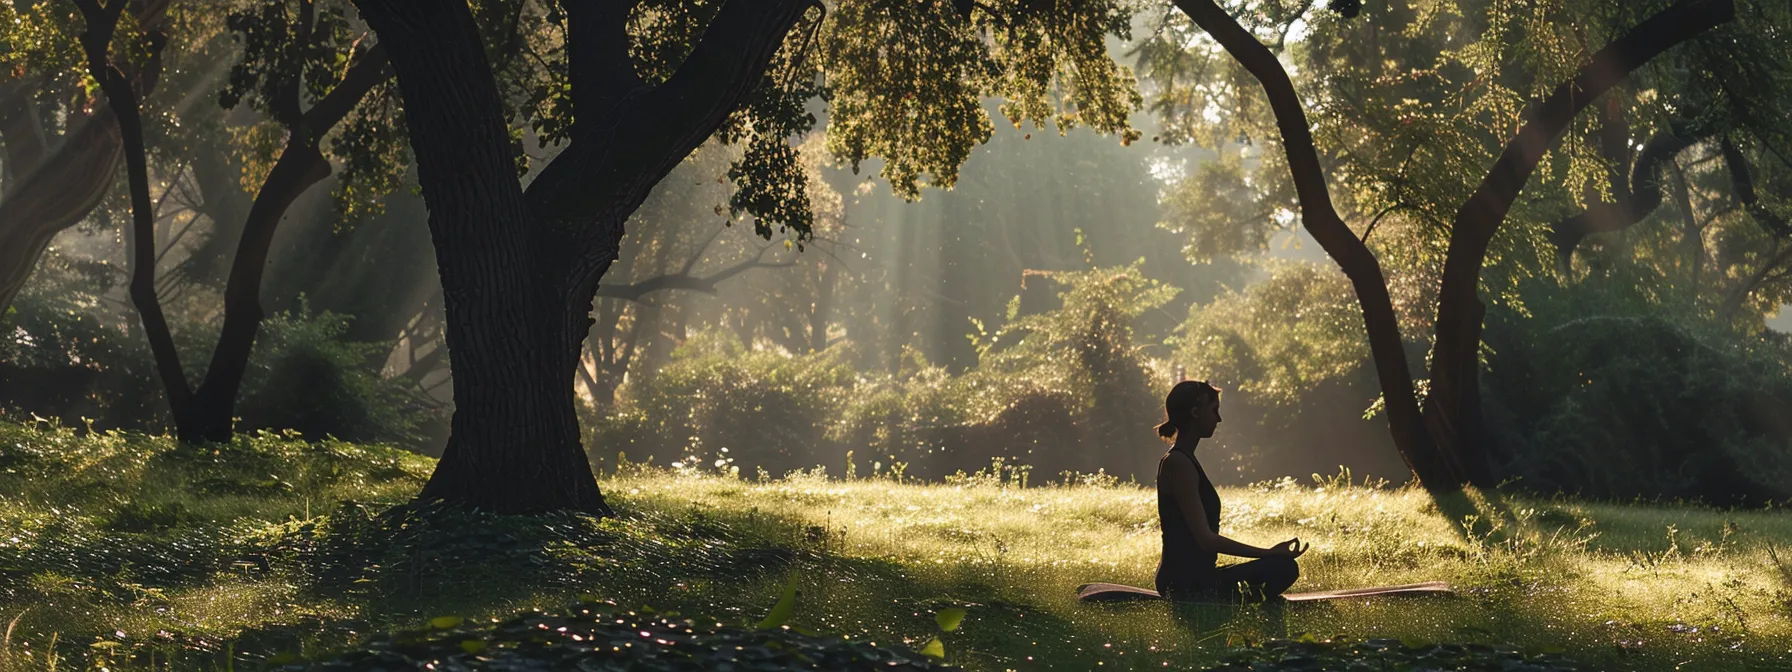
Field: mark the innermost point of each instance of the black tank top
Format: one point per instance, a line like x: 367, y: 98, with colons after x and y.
x: 1183, y: 561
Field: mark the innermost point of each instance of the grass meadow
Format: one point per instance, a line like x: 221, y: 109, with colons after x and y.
x: 130, y: 552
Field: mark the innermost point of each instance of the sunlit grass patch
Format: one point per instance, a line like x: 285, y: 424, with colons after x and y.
x: 1601, y: 580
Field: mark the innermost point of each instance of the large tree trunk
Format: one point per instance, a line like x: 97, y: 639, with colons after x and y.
x: 519, y: 272
x: 515, y: 443
x: 1351, y: 254
x: 1453, y: 409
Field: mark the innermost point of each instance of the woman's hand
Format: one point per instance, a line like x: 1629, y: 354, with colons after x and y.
x: 1291, y: 549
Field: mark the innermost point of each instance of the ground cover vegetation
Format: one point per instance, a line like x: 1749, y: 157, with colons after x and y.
x: 131, y: 552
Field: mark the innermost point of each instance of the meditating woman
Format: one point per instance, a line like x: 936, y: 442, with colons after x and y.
x: 1188, y: 509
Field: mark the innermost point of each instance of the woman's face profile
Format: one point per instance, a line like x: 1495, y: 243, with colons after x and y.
x: 1207, y: 417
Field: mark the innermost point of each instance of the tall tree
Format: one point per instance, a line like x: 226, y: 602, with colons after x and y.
x: 122, y: 98
x: 520, y: 267
x: 290, y: 52
x: 1439, y: 443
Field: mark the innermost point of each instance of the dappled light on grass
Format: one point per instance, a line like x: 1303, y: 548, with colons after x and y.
x: 118, y: 549
x: 1593, y: 579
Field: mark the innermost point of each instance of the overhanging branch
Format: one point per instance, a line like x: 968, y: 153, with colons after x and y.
x: 685, y: 281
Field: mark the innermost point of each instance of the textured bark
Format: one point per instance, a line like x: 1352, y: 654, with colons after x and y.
x: 1321, y: 219
x: 1453, y: 414
x: 49, y: 189
x: 510, y: 428
x: 519, y: 271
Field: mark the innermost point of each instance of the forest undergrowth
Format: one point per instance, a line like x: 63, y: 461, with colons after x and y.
x: 128, y: 552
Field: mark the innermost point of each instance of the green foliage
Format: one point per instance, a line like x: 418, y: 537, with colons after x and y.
x: 1220, y: 214
x: 68, y: 358
x: 1293, y: 360
x: 906, y: 79
x: 781, y: 611
x: 1279, y: 339
x: 1049, y: 384
x: 292, y: 56
x: 373, y: 147
x: 303, y: 376
x: 60, y: 357
x: 1078, y: 364
x: 285, y: 44
x: 905, y: 418
x: 1618, y: 406
x: 718, y: 402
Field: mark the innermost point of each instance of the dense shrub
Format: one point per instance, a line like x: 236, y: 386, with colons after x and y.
x: 65, y: 355
x: 718, y: 403
x: 906, y: 420
x: 1065, y: 389
x: 61, y: 357
x: 304, y: 376
x: 1641, y: 406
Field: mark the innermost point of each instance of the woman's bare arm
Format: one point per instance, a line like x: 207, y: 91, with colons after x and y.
x: 1187, y: 485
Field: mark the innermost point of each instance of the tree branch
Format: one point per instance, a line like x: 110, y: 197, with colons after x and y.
x: 582, y: 196
x: 1486, y: 209
x: 1453, y: 407
x: 1744, y: 186
x: 368, y: 71
x: 1635, y: 198
x: 598, y: 64
x: 685, y: 281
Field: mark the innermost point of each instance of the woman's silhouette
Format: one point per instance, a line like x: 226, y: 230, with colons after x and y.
x: 1188, y: 509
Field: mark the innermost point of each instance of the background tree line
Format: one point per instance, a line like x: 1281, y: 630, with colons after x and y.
x: 1031, y: 312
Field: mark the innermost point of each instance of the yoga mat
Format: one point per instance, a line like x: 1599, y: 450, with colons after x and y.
x: 1114, y: 592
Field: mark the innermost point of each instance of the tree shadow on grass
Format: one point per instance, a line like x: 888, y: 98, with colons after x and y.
x: 1478, y: 516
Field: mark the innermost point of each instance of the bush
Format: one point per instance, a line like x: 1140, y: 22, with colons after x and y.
x: 719, y: 404
x: 64, y: 356
x: 903, y: 421
x: 303, y: 376
x: 1062, y: 390
x: 1624, y: 406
